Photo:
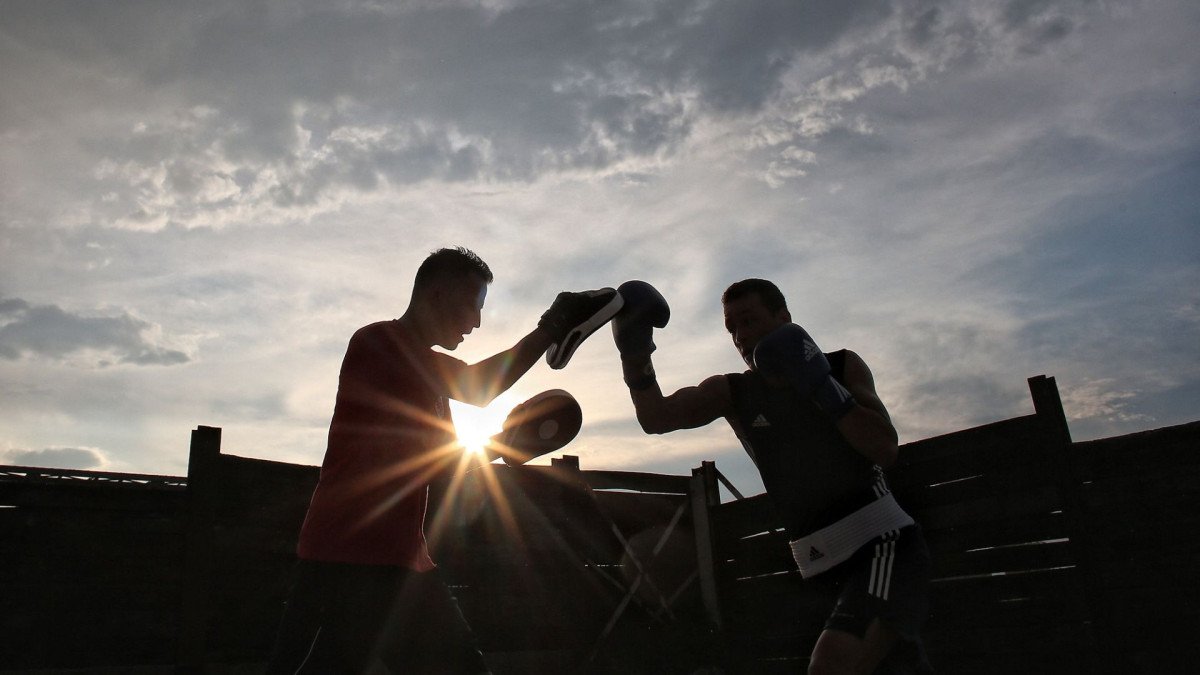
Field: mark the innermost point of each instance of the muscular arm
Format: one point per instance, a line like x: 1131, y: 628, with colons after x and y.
x: 480, y: 383
x: 687, y: 408
x: 867, y: 426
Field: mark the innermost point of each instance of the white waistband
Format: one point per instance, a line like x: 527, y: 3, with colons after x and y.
x: 835, y: 543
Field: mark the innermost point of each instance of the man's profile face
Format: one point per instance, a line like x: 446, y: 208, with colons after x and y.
x: 461, y: 310
x: 748, y: 320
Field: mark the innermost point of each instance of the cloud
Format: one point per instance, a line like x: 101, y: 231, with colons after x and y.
x: 965, y: 193
x: 47, y: 331
x: 245, y: 109
x: 1104, y: 399
x: 57, y: 458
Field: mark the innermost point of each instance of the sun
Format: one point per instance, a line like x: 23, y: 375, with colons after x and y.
x: 476, y: 426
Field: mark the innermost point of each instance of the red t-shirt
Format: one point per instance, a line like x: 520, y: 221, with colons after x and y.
x: 391, y: 433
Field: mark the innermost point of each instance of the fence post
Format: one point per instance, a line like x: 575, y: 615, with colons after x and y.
x: 197, y: 566
x: 566, y: 462
x: 1047, y: 404
x: 703, y: 492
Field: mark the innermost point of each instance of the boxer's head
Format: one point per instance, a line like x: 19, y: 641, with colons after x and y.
x: 753, y: 308
x: 449, y: 292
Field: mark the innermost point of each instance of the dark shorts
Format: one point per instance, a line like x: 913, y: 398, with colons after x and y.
x: 887, y: 579
x: 350, y: 618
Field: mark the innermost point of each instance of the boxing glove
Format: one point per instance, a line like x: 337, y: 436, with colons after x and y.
x: 790, y: 353
x: 644, y: 310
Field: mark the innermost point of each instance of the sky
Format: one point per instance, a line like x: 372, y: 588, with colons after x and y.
x: 200, y: 203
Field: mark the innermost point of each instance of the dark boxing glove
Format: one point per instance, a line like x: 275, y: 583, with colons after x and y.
x: 790, y: 353
x: 645, y: 309
x: 633, y: 330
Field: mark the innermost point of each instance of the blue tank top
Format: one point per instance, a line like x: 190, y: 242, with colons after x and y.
x: 811, y: 474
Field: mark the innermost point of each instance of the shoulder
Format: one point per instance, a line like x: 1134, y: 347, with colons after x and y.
x: 741, y: 388
x: 387, y: 340
x: 837, y: 362
x: 374, y: 331
x: 857, y: 376
x: 853, y: 364
x: 717, y: 383
x: 730, y: 382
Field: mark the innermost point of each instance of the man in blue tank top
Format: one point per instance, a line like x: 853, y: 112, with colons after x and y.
x: 820, y: 436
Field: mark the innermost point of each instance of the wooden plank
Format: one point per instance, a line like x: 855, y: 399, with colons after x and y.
x: 705, y: 497
x: 997, y: 507
x: 1146, y: 526
x: 58, y: 477
x: 90, y: 496
x: 633, y: 509
x: 1004, y: 599
x: 1149, y: 568
x: 999, y: 607
x: 1026, y: 464
x: 1163, y: 614
x: 263, y: 470
x: 984, y: 438
x: 785, y: 587
x: 1035, y: 659
x: 1132, y: 453
x: 766, y: 553
x: 1129, y: 490
x: 1033, y: 556
x: 1004, y: 532
x: 744, y: 517
x: 637, y: 482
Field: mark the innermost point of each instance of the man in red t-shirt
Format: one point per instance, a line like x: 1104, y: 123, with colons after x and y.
x: 365, y: 591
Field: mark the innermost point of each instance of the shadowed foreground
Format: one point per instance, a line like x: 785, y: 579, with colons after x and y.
x: 1049, y: 557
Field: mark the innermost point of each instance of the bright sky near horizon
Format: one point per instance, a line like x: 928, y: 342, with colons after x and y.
x: 200, y: 202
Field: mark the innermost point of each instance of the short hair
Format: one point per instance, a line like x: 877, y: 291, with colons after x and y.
x: 447, y: 263
x: 772, y: 297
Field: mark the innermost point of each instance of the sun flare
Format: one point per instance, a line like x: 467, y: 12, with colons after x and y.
x: 476, y: 426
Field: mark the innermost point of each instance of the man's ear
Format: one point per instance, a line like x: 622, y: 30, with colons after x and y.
x: 784, y: 315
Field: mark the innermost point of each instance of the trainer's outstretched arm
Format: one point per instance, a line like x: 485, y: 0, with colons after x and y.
x: 480, y: 383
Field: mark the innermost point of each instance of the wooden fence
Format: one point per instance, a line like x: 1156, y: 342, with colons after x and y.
x: 1050, y: 557
x: 549, y: 564
x: 90, y: 568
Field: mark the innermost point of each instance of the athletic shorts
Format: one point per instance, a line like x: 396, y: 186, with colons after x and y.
x: 350, y: 619
x: 886, y: 579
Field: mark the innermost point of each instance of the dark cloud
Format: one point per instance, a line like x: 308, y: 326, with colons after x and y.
x: 1039, y: 23
x: 47, y: 331
x: 57, y: 458
x: 362, y: 95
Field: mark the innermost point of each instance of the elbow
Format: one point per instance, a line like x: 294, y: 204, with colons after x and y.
x: 886, y: 457
x: 652, y: 425
x: 886, y: 453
